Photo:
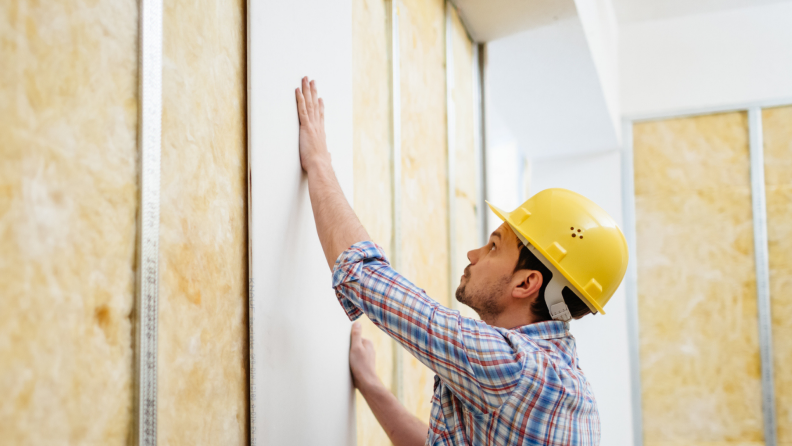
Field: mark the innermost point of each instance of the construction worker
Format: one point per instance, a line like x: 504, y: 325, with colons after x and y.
x: 511, y: 378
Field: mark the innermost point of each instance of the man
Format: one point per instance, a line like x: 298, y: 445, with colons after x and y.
x: 509, y: 379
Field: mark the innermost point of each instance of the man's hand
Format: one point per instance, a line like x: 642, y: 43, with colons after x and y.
x: 310, y: 109
x: 362, y: 359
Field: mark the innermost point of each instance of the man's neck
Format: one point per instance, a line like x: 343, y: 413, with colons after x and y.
x: 511, y: 318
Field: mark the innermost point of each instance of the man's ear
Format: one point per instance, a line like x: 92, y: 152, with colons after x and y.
x: 529, y: 282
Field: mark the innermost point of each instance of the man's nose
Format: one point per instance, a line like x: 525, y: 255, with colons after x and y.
x: 472, y: 256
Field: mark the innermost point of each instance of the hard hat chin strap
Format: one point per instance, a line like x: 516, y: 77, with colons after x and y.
x: 554, y: 298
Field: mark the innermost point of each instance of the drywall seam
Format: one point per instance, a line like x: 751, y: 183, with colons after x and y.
x: 759, y: 206
x: 450, y: 150
x: 478, y: 142
x: 148, y: 276
x: 396, y: 173
x: 483, y: 102
x: 631, y: 280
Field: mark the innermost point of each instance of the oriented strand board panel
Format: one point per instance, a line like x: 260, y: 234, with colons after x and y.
x: 466, y: 189
x: 203, y: 391
x: 301, y: 389
x: 372, y: 172
x: 699, y: 346
x: 777, y: 123
x: 424, y: 185
x: 68, y: 199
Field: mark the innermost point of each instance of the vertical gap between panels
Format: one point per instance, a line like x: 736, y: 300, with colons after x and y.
x: 631, y: 281
x: 762, y: 272
x: 394, y: 58
x: 149, y: 140
x: 481, y: 124
x: 451, y: 150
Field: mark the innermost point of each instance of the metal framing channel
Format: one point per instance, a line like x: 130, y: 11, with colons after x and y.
x: 480, y: 61
x: 451, y: 150
x: 394, y: 58
x: 149, y: 139
x: 762, y: 272
x: 631, y: 281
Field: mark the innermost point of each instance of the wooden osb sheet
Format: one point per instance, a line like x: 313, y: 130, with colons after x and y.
x: 466, y: 190
x: 372, y: 172
x: 68, y: 200
x: 777, y: 123
x: 203, y: 235
x: 700, y: 366
x: 424, y: 185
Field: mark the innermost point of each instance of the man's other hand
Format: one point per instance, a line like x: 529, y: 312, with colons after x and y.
x: 310, y: 109
x: 362, y: 359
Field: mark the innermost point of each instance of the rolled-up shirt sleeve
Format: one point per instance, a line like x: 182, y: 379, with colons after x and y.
x: 477, y: 361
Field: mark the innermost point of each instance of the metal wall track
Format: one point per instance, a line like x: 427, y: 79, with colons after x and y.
x: 149, y: 139
x: 394, y: 58
x: 631, y: 281
x: 762, y: 273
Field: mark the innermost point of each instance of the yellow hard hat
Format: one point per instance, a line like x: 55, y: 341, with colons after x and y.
x: 577, y: 237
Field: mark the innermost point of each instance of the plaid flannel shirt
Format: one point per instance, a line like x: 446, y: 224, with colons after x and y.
x: 493, y: 386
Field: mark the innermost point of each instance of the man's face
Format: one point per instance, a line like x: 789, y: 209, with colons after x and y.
x: 486, y: 284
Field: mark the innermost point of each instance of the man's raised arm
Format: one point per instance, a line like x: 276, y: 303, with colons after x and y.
x: 336, y: 222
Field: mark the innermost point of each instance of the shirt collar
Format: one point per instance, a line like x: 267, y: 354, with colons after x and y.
x: 545, y: 330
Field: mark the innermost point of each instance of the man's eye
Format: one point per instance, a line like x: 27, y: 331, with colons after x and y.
x: 493, y: 247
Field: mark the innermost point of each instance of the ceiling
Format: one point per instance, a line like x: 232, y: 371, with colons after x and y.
x: 487, y: 20
x: 629, y: 11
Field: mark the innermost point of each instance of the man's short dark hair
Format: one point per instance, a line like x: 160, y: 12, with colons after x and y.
x: 528, y: 260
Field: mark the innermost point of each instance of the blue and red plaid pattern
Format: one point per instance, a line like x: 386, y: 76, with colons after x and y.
x: 493, y: 386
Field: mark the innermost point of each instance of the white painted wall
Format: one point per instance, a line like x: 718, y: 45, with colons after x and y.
x: 545, y: 86
x: 602, y: 34
x: 301, y: 392
x: 602, y: 340
x: 722, y: 58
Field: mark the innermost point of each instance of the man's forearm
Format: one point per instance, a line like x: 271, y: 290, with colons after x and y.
x: 336, y: 222
x: 402, y: 427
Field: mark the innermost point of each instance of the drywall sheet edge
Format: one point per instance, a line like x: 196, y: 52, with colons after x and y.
x: 301, y: 390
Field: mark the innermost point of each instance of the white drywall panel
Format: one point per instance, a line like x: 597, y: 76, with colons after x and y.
x: 602, y: 340
x: 301, y: 390
x: 724, y: 58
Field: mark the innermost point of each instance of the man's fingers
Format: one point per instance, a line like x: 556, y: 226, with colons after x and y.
x: 321, y: 109
x: 300, y: 105
x: 355, y: 333
x: 306, y: 91
x: 315, y: 97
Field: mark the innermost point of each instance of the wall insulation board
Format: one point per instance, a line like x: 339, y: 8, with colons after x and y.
x: 68, y: 198
x: 203, y: 226
x: 778, y: 183
x: 700, y: 367
x: 424, y: 184
x: 299, y: 332
x: 373, y: 195
x: 466, y: 188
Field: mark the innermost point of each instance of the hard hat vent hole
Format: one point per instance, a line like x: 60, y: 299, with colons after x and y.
x: 571, y: 229
x: 581, y: 237
x: 573, y: 235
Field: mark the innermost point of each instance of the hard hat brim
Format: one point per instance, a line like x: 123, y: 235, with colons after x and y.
x: 504, y: 216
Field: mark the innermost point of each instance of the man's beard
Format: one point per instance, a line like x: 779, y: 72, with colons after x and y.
x: 484, y: 302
